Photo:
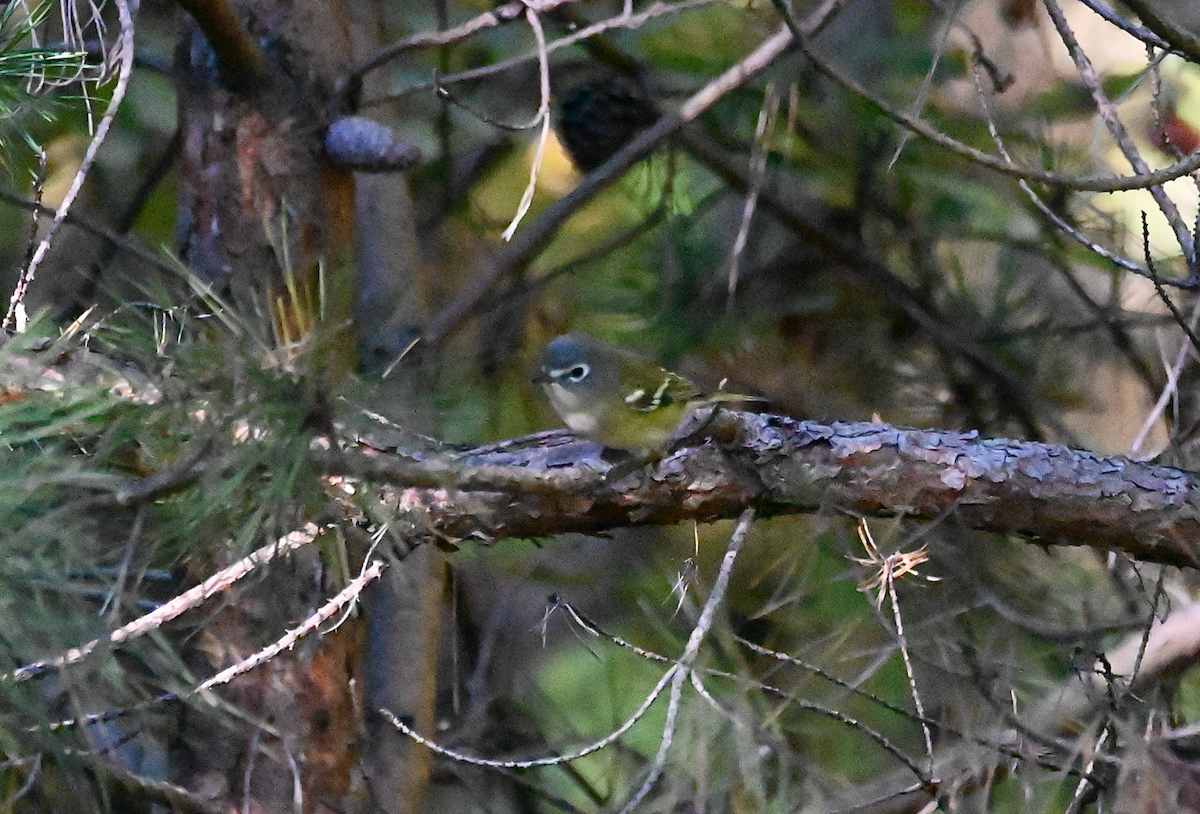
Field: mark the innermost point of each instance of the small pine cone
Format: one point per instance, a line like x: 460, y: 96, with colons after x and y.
x: 363, y: 145
x: 598, y: 118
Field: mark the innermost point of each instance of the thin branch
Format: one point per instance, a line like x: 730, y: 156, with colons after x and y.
x: 526, y: 245
x: 1173, y: 370
x: 185, y: 601
x: 763, y: 135
x: 999, y: 741
x: 1180, y: 320
x: 887, y: 285
x: 317, y: 618
x: 16, y: 318
x: 808, y: 706
x: 886, y: 571
x: 675, y: 677
x: 682, y: 669
x: 1187, y: 347
x: 167, y: 795
x: 651, y: 12
x: 162, y: 164
x: 500, y: 15
x: 531, y: 763
x: 320, y: 616
x: 543, y: 117
x: 1034, y: 175
x: 39, y: 186
x: 1085, y: 790
x: 596, y: 255
x: 1136, y: 31
x: 1179, y: 38
x: 1116, y: 129
x: 447, y: 96
x: 1059, y: 222
x: 1143, y: 660
x: 86, y: 224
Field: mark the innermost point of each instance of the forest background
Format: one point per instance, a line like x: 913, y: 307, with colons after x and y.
x: 282, y: 270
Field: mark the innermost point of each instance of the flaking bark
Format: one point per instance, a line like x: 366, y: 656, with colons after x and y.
x: 1046, y: 492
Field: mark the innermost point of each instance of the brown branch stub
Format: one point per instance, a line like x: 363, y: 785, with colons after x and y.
x: 241, y: 62
x: 1047, y: 492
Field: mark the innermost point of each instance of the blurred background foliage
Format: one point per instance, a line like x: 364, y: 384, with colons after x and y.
x: 647, y: 264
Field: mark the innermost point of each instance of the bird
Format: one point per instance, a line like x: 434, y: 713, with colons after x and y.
x: 615, y: 397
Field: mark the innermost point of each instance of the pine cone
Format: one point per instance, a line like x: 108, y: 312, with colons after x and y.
x: 598, y: 118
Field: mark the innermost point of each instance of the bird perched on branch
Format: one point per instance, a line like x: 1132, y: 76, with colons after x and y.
x: 617, y: 398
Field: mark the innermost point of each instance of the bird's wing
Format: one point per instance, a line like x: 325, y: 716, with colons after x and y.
x: 651, y: 388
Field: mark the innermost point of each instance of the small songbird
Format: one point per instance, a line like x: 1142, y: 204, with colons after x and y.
x: 615, y: 397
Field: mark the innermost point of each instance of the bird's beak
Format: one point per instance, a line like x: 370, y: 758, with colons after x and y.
x: 541, y: 378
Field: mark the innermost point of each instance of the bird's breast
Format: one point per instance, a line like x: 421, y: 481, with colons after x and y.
x: 571, y: 410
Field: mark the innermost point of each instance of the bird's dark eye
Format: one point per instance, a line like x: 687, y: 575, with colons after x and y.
x: 578, y: 373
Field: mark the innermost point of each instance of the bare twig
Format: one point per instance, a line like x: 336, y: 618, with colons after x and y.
x: 16, y: 318
x: 1059, y: 222
x: 675, y: 677
x: 1001, y: 165
x: 525, y: 246
x: 1068, y: 228
x: 808, y: 706
x: 763, y: 134
x: 1137, y: 31
x: 651, y: 12
x: 1085, y: 789
x: 500, y: 15
x: 861, y: 264
x: 39, y: 185
x: 575, y: 264
x: 682, y: 669
x: 317, y: 618
x: 543, y: 117
x: 531, y: 763
x: 1179, y: 38
x: 1187, y: 347
x: 886, y: 571
x: 1180, y: 320
x: 1116, y: 129
x: 86, y: 224
x: 168, y: 795
x: 922, y: 96
x: 188, y: 599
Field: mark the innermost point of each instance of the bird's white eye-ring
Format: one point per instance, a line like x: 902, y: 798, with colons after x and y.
x: 578, y: 373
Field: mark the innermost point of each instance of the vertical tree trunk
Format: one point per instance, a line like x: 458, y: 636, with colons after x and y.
x: 269, y: 221
x: 263, y: 214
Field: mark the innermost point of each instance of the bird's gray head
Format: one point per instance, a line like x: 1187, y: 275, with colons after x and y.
x: 575, y: 374
x: 568, y: 362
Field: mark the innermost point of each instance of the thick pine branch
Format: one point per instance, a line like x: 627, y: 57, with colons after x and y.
x: 1046, y: 492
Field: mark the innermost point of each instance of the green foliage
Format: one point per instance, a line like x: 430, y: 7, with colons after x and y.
x: 112, y: 474
x: 166, y: 440
x: 28, y: 73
